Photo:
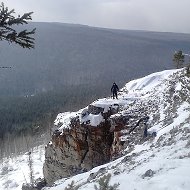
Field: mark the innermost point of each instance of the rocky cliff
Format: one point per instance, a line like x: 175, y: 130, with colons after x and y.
x: 83, y: 143
x: 108, y: 128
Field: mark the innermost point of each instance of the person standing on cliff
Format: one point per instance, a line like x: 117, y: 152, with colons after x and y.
x: 114, y: 90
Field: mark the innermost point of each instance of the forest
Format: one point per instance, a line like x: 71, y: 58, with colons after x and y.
x: 28, y: 114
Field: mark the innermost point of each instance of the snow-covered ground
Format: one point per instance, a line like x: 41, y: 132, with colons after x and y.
x: 169, y: 164
x: 15, y: 171
x: 161, y: 163
x: 134, y: 90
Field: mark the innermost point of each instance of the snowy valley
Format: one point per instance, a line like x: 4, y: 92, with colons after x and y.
x: 159, y: 161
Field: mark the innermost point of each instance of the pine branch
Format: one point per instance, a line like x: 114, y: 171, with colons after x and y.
x: 7, y: 20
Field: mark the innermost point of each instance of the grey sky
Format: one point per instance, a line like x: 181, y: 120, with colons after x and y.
x: 156, y: 15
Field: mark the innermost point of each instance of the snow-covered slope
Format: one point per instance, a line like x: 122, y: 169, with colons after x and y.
x: 156, y: 163
x: 16, y: 171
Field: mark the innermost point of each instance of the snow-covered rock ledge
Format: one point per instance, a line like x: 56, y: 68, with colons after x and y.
x: 101, y: 132
x: 81, y: 141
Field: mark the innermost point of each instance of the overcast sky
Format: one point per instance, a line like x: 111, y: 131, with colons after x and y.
x: 154, y: 15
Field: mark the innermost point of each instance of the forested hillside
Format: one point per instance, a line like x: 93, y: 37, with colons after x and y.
x: 67, y: 55
x: 25, y: 114
x: 71, y: 65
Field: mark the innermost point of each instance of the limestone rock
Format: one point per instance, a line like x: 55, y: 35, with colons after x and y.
x: 78, y: 148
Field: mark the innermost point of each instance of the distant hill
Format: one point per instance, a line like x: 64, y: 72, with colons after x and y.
x: 70, y: 55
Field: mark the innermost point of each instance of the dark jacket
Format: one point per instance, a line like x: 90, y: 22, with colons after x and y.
x: 114, y: 88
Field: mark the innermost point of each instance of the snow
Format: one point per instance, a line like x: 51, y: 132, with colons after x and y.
x: 63, y: 119
x: 182, y: 113
x: 150, y: 81
x: 170, y: 163
x: 170, y: 170
x: 135, y: 89
x: 107, y: 103
x: 168, y: 158
x: 15, y: 171
x: 178, y: 87
x: 94, y: 120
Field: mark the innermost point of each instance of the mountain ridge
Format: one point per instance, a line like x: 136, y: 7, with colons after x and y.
x: 66, y: 55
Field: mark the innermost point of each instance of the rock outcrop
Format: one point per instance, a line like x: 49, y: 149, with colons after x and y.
x: 109, y: 128
x: 79, y: 146
x: 90, y: 138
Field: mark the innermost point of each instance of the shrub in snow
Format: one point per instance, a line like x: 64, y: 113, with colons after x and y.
x: 97, y: 174
x: 103, y: 183
x: 38, y: 184
x: 117, y: 172
x: 71, y: 186
x: 28, y: 187
x: 4, y: 170
x: 188, y: 70
x: 188, y: 144
x: 148, y: 173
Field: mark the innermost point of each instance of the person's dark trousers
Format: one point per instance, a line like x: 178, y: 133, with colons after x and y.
x: 115, y: 95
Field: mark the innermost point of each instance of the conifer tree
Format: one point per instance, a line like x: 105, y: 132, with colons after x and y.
x: 8, y: 30
x: 103, y: 183
x: 178, y: 59
x: 72, y: 186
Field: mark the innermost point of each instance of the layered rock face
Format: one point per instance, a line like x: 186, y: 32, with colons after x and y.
x: 79, y: 146
x: 90, y: 138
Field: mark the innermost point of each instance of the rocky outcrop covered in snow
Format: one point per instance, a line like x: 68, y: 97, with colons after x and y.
x: 88, y: 138
x: 80, y: 144
x: 108, y: 128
